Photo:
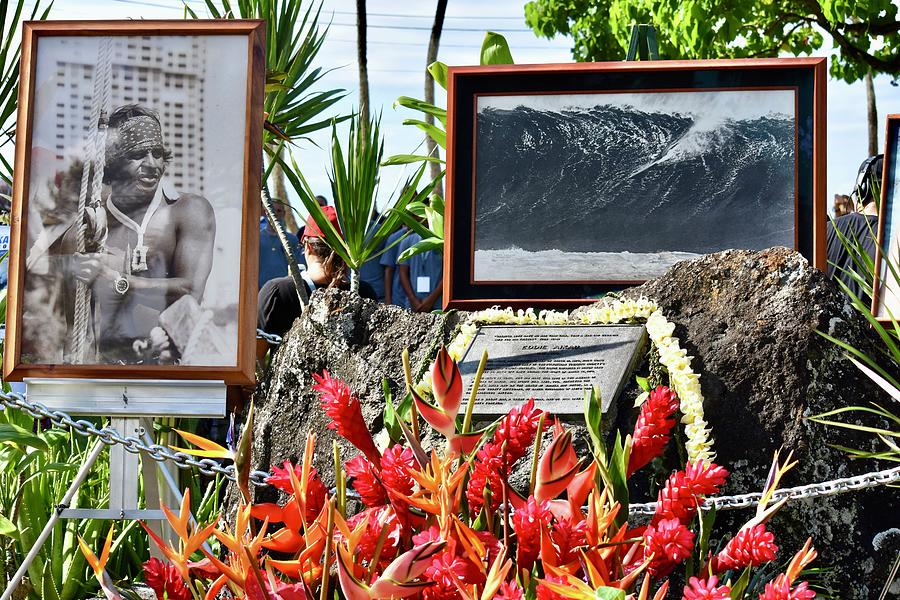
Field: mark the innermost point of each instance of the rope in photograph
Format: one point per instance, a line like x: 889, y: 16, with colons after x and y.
x: 208, y: 466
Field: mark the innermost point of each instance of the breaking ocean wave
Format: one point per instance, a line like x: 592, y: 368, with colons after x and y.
x: 516, y: 264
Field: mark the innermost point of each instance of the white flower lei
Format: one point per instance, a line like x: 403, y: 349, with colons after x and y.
x: 682, y: 379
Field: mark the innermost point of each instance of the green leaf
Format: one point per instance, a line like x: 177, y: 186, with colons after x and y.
x: 707, y: 519
x: 48, y: 588
x: 438, y: 71
x: 428, y: 244
x: 412, y: 103
x: 643, y: 383
x: 8, y: 528
x: 609, y: 593
x: 740, y: 586
x: 391, y: 419
x: 593, y: 417
x: 495, y: 50
x: 20, y: 437
x: 407, y: 159
x: 435, y: 133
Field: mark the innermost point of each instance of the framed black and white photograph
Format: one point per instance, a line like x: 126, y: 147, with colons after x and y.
x: 886, y: 299
x: 136, y: 200
x: 568, y: 181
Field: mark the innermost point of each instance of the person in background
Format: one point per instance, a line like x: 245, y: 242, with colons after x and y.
x: 371, y: 271
x: 856, y: 227
x: 278, y: 304
x: 421, y: 276
x: 272, y: 260
x: 843, y: 205
x: 393, y: 289
x: 323, y: 201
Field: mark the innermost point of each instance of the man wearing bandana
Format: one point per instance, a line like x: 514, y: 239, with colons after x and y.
x: 148, y: 247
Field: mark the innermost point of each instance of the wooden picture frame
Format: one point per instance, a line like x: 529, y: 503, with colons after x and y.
x: 171, y: 292
x: 544, y: 180
x: 885, y: 297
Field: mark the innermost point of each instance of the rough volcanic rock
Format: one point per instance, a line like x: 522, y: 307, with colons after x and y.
x: 357, y: 340
x: 750, y: 320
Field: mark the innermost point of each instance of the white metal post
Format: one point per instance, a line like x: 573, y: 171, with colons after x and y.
x: 54, y: 517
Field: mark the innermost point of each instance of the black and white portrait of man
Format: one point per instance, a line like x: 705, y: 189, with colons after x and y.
x: 134, y: 204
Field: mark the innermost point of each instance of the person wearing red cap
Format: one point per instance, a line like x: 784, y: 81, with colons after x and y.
x: 278, y: 304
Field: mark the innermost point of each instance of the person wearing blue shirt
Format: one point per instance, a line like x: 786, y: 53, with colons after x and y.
x: 272, y: 260
x: 421, y: 276
x: 371, y: 271
x: 393, y: 289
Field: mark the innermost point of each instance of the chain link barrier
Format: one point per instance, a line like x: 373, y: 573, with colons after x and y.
x: 812, y: 490
x: 273, y: 339
x: 209, y: 466
x: 110, y: 436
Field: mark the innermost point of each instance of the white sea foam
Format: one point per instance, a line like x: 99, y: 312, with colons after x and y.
x: 515, y: 264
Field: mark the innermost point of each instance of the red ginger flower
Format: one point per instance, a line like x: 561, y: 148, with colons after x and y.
x: 545, y: 593
x: 568, y: 537
x: 680, y: 495
x: 751, y: 547
x: 396, y: 464
x: 509, y: 590
x: 518, y: 429
x: 366, y: 482
x: 346, y: 414
x: 445, y: 570
x: 487, y: 472
x: 780, y: 589
x: 529, y: 522
x: 706, y: 590
x: 651, y: 432
x: 165, y: 580
x: 377, y: 519
x: 705, y: 478
x: 670, y: 542
x: 315, y: 489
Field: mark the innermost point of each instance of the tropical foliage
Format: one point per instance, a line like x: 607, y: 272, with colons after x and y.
x: 36, y: 468
x: 863, y: 33
x: 446, y: 523
x: 294, y: 103
x: 881, y: 368
x: 354, y: 181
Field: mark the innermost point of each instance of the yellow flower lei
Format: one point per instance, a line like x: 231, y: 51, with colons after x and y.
x: 682, y: 379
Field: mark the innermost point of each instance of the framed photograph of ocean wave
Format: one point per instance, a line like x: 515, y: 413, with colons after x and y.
x: 135, y: 216
x: 886, y: 299
x: 566, y: 182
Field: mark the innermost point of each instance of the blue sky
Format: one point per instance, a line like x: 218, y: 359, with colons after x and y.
x: 398, y: 37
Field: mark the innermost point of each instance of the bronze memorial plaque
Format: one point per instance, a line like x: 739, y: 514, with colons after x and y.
x: 555, y: 365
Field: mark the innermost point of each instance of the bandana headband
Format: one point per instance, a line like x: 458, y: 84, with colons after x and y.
x: 140, y: 133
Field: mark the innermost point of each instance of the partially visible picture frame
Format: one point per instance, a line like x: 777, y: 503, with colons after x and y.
x: 135, y: 215
x: 565, y: 182
x: 886, y: 286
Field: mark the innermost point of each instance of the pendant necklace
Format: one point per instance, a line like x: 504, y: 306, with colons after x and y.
x: 139, y: 254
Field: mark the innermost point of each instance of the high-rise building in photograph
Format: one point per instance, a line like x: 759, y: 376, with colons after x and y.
x: 165, y: 74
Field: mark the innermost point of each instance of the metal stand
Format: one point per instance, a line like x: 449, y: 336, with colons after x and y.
x: 140, y: 401
x: 54, y: 518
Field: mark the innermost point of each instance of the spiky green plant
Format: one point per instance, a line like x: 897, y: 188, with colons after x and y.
x: 295, y: 102
x: 354, y: 180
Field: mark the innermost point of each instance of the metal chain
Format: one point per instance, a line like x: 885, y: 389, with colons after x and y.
x: 110, y: 436
x: 273, y: 339
x: 813, y: 490
x: 209, y: 466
